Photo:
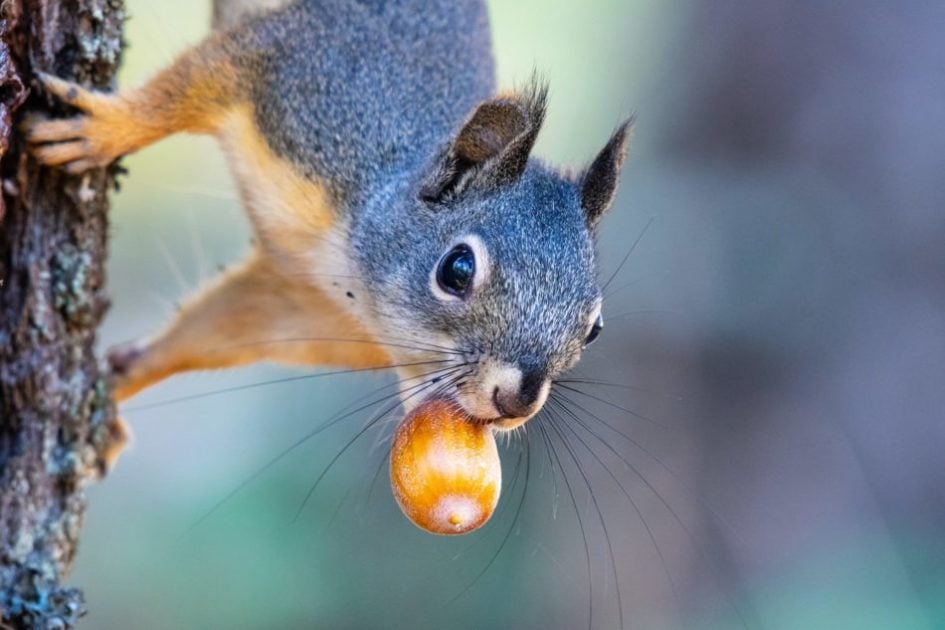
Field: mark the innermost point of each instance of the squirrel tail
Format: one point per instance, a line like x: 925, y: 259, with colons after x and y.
x: 226, y: 13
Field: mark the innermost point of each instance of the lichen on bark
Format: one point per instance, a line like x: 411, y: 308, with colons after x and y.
x: 56, y: 414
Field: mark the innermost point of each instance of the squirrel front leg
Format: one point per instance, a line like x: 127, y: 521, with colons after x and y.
x: 252, y: 314
x: 192, y: 95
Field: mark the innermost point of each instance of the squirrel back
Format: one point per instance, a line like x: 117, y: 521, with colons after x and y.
x: 352, y: 92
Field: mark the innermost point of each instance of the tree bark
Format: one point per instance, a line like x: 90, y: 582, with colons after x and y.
x: 56, y: 414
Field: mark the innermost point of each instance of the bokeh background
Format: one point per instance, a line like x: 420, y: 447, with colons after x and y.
x: 774, y: 348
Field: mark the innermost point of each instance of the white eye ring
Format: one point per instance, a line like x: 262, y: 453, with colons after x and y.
x: 480, y: 275
x: 595, y: 330
x: 595, y: 323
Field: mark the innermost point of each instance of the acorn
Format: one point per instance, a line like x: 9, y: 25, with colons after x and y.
x: 445, y: 469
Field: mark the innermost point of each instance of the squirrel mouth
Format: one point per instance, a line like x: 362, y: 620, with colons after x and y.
x: 500, y: 423
x: 507, y: 420
x: 503, y: 420
x: 507, y: 424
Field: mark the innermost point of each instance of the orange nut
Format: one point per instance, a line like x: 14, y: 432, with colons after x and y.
x: 445, y: 469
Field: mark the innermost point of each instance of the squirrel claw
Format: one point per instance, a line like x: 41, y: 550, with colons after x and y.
x: 94, y: 138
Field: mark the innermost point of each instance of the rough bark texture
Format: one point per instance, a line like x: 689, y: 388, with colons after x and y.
x: 55, y: 409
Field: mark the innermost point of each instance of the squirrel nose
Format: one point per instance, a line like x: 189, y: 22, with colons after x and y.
x: 520, y: 402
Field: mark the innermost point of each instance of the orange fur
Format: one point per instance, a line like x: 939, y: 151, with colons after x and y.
x: 264, y: 310
x: 118, y: 436
x: 291, y: 214
x: 251, y: 314
x: 193, y: 95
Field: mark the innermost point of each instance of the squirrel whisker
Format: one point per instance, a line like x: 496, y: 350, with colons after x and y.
x: 344, y: 414
x: 710, y: 559
x: 277, y: 381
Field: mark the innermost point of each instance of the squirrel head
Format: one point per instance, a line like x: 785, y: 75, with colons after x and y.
x: 500, y: 266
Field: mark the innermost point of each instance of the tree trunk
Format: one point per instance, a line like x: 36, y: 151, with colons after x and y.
x: 56, y: 417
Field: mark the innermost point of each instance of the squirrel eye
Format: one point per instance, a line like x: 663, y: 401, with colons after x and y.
x: 456, y: 271
x: 595, y: 330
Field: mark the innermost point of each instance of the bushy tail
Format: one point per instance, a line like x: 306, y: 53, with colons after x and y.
x: 226, y: 13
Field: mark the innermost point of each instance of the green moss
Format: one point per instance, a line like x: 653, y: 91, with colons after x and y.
x: 37, y: 601
x: 100, y: 408
x: 73, y: 293
x: 99, y: 38
x: 23, y: 545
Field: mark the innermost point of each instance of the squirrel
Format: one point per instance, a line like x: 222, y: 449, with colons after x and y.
x: 400, y: 219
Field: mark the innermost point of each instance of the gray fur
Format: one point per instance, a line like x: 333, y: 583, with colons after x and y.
x: 228, y: 13
x: 543, y: 284
x: 366, y: 89
x: 371, y: 99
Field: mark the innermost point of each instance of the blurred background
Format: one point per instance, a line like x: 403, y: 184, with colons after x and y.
x: 774, y: 356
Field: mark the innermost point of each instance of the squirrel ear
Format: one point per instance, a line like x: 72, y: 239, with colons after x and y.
x: 599, y: 183
x: 492, y: 148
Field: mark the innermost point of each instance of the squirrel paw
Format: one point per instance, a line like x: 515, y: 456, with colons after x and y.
x: 117, y: 436
x: 95, y: 138
x: 123, y: 360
